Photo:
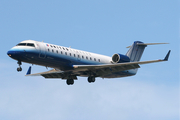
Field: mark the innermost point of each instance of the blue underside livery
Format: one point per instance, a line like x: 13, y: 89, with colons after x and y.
x: 69, y: 63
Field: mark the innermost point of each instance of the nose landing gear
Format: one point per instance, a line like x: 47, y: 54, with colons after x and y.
x: 19, y: 68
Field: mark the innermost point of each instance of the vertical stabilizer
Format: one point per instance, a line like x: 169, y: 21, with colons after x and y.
x: 135, y: 51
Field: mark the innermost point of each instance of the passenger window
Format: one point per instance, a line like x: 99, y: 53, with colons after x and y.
x: 90, y: 58
x: 61, y: 52
x: 86, y: 57
x: 74, y: 55
x: 66, y: 53
x: 52, y: 50
x: 82, y: 57
x: 70, y: 54
x: 57, y: 51
x: 48, y: 50
x: 94, y: 59
x: 99, y: 60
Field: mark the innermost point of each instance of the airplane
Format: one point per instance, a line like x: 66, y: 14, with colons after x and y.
x: 69, y: 63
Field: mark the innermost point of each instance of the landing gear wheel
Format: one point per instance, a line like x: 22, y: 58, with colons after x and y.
x: 19, y: 69
x: 70, y: 81
x: 91, y: 79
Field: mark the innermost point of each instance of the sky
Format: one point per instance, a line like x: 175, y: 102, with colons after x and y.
x: 100, y: 26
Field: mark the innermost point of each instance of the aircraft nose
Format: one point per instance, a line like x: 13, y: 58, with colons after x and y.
x: 11, y: 53
x: 16, y: 54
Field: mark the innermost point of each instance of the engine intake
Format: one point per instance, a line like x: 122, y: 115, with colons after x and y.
x: 119, y: 58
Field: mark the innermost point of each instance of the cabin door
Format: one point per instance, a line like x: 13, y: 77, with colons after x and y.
x: 42, y: 50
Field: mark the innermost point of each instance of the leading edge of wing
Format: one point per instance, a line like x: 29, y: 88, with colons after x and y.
x: 114, y: 65
x: 121, y: 64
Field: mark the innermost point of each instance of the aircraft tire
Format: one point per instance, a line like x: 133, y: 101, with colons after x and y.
x: 19, y: 69
x: 70, y: 81
x: 91, y: 79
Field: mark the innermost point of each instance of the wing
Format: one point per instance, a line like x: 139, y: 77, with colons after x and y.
x: 54, y: 74
x: 96, y: 70
x: 118, y: 66
x: 86, y: 70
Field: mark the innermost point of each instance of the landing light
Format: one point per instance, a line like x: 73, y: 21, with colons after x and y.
x: 9, y: 55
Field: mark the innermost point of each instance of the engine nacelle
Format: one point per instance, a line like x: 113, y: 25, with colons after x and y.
x: 119, y: 58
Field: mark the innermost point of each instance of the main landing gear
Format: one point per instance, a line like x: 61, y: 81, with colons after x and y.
x: 91, y: 79
x: 19, y: 68
x: 70, y: 81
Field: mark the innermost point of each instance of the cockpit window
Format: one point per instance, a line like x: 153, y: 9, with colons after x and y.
x: 26, y: 44
x: 21, y: 44
x: 30, y: 44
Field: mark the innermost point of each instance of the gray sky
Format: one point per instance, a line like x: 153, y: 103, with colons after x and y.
x: 104, y: 27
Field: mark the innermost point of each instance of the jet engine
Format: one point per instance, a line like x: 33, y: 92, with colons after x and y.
x: 119, y: 58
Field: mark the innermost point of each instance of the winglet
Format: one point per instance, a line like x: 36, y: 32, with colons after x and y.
x: 29, y: 71
x: 167, y: 56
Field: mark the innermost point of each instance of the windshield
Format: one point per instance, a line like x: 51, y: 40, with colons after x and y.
x: 26, y: 44
x: 21, y: 44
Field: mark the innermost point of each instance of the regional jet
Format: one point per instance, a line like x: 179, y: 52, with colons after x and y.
x: 68, y: 63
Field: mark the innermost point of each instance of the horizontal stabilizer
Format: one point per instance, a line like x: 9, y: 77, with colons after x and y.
x: 148, y: 44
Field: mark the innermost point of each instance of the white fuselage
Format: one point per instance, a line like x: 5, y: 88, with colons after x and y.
x: 56, y: 56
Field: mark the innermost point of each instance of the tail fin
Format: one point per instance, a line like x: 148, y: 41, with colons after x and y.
x: 136, y: 50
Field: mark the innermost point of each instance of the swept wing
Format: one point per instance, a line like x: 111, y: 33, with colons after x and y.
x: 96, y: 70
